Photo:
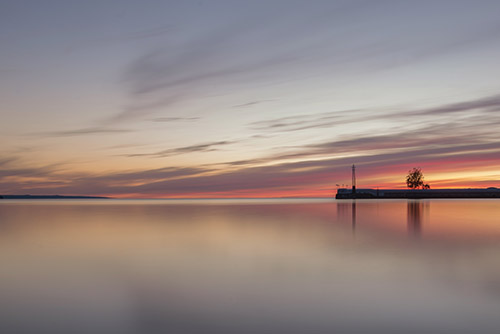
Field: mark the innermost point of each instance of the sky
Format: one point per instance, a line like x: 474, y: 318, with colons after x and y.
x: 163, y: 99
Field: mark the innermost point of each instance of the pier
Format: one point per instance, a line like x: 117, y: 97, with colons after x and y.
x: 344, y: 193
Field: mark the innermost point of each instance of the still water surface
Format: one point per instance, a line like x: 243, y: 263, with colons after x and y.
x: 250, y: 266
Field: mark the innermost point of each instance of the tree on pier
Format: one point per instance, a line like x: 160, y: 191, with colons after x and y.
x: 415, y: 179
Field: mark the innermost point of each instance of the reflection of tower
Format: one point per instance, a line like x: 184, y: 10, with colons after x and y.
x: 346, y: 213
x: 414, y: 212
x: 353, y: 217
x: 353, y: 179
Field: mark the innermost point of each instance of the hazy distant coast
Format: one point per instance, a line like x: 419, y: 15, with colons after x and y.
x: 344, y: 193
x: 49, y: 197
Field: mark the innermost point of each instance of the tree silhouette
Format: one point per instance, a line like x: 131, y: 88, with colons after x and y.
x: 415, y: 179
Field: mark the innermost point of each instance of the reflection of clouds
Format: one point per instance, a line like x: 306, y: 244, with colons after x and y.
x: 252, y: 267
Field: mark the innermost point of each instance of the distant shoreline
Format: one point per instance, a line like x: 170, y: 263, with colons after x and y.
x: 50, y: 197
x: 344, y: 193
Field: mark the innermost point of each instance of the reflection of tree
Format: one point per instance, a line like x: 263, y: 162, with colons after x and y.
x: 414, y: 212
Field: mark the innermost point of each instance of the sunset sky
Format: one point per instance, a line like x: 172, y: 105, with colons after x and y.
x: 246, y: 98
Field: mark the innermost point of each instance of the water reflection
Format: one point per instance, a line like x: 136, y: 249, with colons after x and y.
x: 414, y: 220
x: 346, y: 212
x: 134, y: 267
x: 353, y: 217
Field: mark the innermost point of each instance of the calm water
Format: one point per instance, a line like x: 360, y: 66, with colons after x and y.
x: 235, y: 266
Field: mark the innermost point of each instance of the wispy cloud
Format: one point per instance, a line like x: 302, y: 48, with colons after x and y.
x: 51, y: 180
x: 446, y: 137
x: 7, y: 161
x: 205, y: 147
x: 444, y: 141
x: 144, y: 107
x: 308, y: 121
x: 442, y: 147
x: 219, y: 59
x: 286, y: 177
x: 141, y: 176
x: 489, y: 104
x: 251, y: 103
x: 32, y: 172
x: 174, y: 119
x: 86, y: 131
x: 252, y: 48
x: 485, y: 108
x: 282, y: 49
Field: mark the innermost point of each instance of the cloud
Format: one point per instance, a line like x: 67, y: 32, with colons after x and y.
x: 160, y: 82
x: 466, y: 134
x: 250, y: 48
x: 241, y: 55
x: 86, y: 131
x: 7, y: 161
x: 291, y: 177
x: 144, y: 175
x: 52, y: 180
x: 33, y: 172
x: 489, y: 104
x: 446, y: 136
x: 486, y: 108
x: 308, y: 121
x: 174, y: 119
x: 247, y: 48
x: 140, y: 107
x: 205, y: 147
x: 251, y: 103
x: 313, y: 167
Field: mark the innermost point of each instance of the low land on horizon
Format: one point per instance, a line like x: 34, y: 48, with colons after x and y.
x: 342, y: 193
x: 50, y: 197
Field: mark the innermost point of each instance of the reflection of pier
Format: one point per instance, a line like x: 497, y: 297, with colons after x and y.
x: 414, y: 218
x: 347, y: 212
x: 415, y: 211
x: 353, y: 216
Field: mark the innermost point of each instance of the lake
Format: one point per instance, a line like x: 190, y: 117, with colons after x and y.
x: 249, y: 266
